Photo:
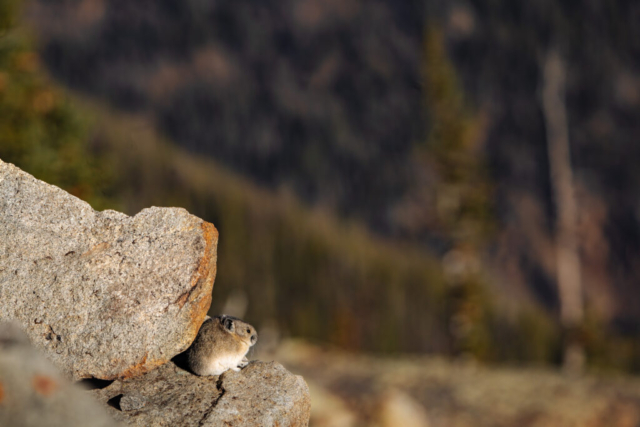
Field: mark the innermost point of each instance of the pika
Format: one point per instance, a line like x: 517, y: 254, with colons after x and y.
x: 221, y: 344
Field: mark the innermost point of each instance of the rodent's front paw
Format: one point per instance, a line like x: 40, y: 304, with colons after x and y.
x: 243, y: 363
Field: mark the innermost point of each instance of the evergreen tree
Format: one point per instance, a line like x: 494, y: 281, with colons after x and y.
x: 40, y: 131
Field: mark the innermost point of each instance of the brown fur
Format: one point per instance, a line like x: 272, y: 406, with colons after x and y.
x: 221, y: 344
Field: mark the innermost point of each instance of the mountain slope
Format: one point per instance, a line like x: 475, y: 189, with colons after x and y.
x: 303, y: 270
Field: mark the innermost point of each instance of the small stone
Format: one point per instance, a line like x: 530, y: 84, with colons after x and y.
x: 397, y: 408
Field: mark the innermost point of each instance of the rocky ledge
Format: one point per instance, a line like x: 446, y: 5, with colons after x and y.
x: 113, y: 298
x: 262, y: 394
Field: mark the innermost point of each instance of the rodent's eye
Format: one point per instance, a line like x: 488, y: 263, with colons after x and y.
x: 248, y: 331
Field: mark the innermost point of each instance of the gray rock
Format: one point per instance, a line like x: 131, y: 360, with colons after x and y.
x: 262, y: 394
x: 102, y: 294
x: 33, y: 394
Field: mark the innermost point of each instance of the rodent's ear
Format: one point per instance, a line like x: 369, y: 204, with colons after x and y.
x: 228, y: 324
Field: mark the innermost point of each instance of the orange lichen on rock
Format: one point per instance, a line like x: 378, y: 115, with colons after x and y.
x: 202, y: 281
x: 44, y: 385
x: 207, y: 269
x: 140, y: 368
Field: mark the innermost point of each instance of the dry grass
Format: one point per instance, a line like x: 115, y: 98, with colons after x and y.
x: 461, y: 394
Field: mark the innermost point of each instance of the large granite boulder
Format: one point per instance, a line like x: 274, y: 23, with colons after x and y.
x: 262, y: 394
x: 102, y: 294
x: 112, y: 299
x: 34, y: 394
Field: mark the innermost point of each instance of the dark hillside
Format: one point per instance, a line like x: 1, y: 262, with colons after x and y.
x: 330, y: 100
x: 321, y: 97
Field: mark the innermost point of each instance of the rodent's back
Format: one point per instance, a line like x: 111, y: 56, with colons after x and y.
x: 202, y: 348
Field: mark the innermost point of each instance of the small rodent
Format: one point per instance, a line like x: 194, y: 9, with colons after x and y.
x: 221, y: 344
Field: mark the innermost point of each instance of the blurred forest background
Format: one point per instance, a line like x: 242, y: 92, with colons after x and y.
x: 379, y: 171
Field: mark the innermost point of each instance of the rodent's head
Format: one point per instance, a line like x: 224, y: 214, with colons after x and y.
x: 244, y: 331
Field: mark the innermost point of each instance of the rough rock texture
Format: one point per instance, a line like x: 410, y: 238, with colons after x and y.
x: 107, y: 296
x: 262, y: 394
x: 103, y: 294
x: 32, y: 393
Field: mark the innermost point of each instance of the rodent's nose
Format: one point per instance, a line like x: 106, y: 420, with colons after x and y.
x: 254, y: 338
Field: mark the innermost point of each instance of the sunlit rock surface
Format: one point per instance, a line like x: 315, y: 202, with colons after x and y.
x: 112, y: 299
x: 102, y: 294
x: 262, y: 394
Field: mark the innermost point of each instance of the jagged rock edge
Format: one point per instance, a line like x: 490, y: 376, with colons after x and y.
x: 201, y: 287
